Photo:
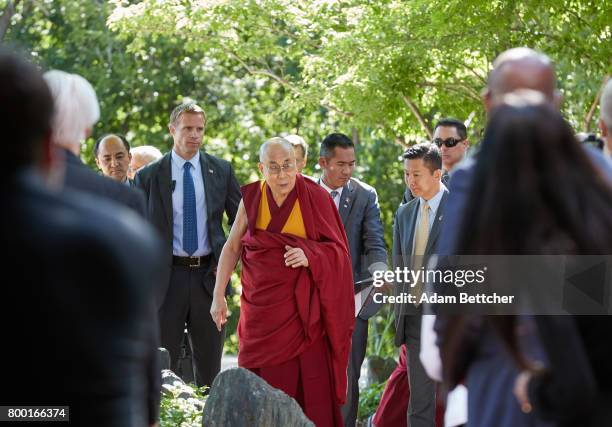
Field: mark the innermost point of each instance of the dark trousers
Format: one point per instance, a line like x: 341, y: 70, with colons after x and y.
x: 422, y: 400
x: 188, y: 302
x: 358, y: 350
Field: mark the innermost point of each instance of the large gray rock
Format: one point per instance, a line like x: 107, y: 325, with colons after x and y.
x: 239, y: 398
x: 379, y: 369
x: 173, y: 385
x: 164, y: 358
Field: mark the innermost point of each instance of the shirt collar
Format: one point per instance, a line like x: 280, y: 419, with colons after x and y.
x: 434, y: 202
x: 329, y: 190
x: 180, y: 162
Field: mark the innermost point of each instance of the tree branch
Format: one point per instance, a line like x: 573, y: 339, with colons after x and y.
x: 412, y: 106
x: 587, y: 119
x: 451, y: 87
x: 282, y: 81
x: 5, y: 19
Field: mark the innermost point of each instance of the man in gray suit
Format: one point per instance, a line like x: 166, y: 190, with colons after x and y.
x: 187, y: 192
x: 357, y: 204
x: 415, y: 235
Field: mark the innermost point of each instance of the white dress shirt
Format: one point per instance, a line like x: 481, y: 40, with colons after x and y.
x: 329, y: 190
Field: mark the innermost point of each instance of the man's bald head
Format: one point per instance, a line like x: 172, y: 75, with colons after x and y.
x: 521, y: 68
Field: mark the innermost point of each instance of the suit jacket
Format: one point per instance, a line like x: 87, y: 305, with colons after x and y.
x: 460, y: 185
x: 77, y: 315
x: 80, y: 177
x: 360, y: 214
x: 403, y: 237
x: 222, y: 193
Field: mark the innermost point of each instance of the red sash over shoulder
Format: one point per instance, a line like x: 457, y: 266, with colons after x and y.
x: 283, y: 310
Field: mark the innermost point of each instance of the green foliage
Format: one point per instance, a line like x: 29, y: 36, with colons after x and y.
x: 233, y: 314
x: 383, y: 71
x: 369, y: 398
x: 381, y: 334
x: 176, y: 411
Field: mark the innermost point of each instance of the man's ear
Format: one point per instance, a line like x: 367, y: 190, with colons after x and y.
x: 437, y: 174
x: 602, y: 128
x: 322, y: 162
x: 260, y: 166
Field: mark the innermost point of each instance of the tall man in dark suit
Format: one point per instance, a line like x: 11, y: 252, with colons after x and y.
x: 187, y: 191
x: 357, y: 204
x: 415, y: 235
x: 76, y: 317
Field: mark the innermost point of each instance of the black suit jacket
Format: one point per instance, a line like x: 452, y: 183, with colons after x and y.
x: 222, y: 195
x: 75, y: 319
x: 81, y: 178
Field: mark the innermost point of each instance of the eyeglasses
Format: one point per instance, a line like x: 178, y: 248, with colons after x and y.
x: 275, y: 169
x: 448, y: 142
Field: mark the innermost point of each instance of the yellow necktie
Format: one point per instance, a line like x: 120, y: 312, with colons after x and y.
x: 421, y: 236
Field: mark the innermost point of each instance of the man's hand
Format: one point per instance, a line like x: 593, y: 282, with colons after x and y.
x: 520, y: 391
x: 385, y: 289
x: 218, y: 311
x: 295, y: 257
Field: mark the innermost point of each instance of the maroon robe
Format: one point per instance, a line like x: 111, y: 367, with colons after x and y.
x: 296, y: 323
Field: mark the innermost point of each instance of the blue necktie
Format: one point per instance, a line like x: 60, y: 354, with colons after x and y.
x: 190, y: 225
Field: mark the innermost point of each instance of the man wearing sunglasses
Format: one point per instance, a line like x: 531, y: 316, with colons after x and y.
x: 450, y: 135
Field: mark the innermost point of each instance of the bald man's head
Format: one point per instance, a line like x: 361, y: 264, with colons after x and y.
x: 521, y: 68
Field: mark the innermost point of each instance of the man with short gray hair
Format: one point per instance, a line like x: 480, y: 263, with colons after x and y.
x: 605, y: 120
x: 188, y: 191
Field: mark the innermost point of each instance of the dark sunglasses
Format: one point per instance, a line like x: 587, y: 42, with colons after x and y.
x: 449, y: 142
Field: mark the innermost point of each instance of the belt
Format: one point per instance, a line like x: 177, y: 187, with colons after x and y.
x: 191, y: 261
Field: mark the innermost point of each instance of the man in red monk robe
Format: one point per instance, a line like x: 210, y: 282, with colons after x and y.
x: 297, y: 306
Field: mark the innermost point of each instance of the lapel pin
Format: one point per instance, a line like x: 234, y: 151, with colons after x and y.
x: 210, y: 171
x: 440, y: 218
